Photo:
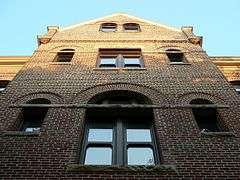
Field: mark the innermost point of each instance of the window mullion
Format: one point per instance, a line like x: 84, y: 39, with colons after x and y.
x: 120, y: 61
x: 119, y: 143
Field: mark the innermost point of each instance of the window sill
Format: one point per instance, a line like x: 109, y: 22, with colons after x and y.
x: 19, y: 133
x: 217, y: 134
x: 119, y: 69
x: 180, y: 63
x: 115, y: 168
x: 60, y: 63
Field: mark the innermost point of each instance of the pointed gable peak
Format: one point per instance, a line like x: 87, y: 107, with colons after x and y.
x: 115, y: 16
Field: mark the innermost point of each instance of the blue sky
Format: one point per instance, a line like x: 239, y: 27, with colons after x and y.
x: 218, y: 21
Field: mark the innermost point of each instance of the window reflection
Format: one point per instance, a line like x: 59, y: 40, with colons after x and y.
x: 98, y: 156
x: 140, y: 156
x: 100, y: 135
x: 138, y: 135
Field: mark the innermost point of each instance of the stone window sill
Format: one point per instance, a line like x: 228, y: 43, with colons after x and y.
x: 115, y: 168
x: 180, y: 63
x: 217, y: 134
x: 60, y: 63
x: 119, y: 69
x: 19, y: 133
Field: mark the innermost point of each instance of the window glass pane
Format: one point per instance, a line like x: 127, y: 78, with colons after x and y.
x: 108, y: 62
x: 32, y: 129
x: 100, y: 135
x: 140, y: 156
x: 138, y: 135
x: 98, y: 156
x: 132, y: 60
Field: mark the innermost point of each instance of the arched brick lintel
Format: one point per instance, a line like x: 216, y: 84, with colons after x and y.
x: 54, y: 98
x: 85, y: 95
x: 185, y: 99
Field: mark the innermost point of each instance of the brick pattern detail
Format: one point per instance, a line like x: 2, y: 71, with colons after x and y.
x: 47, y: 155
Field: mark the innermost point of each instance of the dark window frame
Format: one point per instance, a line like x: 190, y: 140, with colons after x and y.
x: 64, y: 56
x: 176, y: 56
x: 120, y: 55
x: 26, y: 115
x: 3, y: 85
x: 112, y: 26
x: 131, y: 27
x: 236, y: 85
x: 119, y: 144
x: 213, y: 123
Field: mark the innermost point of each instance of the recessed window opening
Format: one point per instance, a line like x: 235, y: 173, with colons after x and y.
x: 65, y: 55
x: 3, y: 85
x: 175, y: 56
x: 121, y: 58
x: 109, y: 27
x: 131, y: 27
x: 32, y: 117
x: 206, y: 118
x: 119, y: 137
x: 236, y: 85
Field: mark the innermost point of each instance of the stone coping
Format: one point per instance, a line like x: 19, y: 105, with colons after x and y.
x: 116, y: 168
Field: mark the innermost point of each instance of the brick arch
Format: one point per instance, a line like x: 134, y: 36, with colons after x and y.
x: 174, y: 46
x: 154, y: 96
x: 59, y: 48
x: 54, y: 98
x: 187, y: 98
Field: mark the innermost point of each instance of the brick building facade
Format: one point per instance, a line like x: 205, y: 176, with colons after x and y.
x: 123, y: 86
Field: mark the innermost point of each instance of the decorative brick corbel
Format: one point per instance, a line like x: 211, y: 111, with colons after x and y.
x: 188, y: 31
x: 43, y: 39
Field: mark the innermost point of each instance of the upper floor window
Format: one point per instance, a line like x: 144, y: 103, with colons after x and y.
x: 236, y: 85
x: 108, y: 27
x: 123, y: 58
x: 114, y: 137
x: 175, y: 56
x: 206, y: 117
x: 3, y: 85
x: 65, y: 55
x: 32, y: 118
x: 131, y: 27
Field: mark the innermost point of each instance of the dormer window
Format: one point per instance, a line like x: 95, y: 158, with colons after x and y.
x: 175, y: 56
x: 131, y: 27
x: 65, y: 55
x: 108, y: 27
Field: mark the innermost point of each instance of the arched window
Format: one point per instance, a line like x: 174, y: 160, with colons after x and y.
x: 236, y: 85
x: 175, y: 56
x: 65, y: 55
x: 119, y: 136
x: 108, y: 27
x: 131, y: 27
x: 206, y: 117
x: 32, y: 117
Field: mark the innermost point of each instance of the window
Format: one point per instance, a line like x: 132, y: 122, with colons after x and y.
x: 3, y: 85
x: 119, y: 137
x: 207, y: 118
x: 236, y: 85
x: 131, y: 27
x: 65, y: 55
x: 121, y: 58
x: 108, y: 27
x: 32, y: 117
x: 175, y: 56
